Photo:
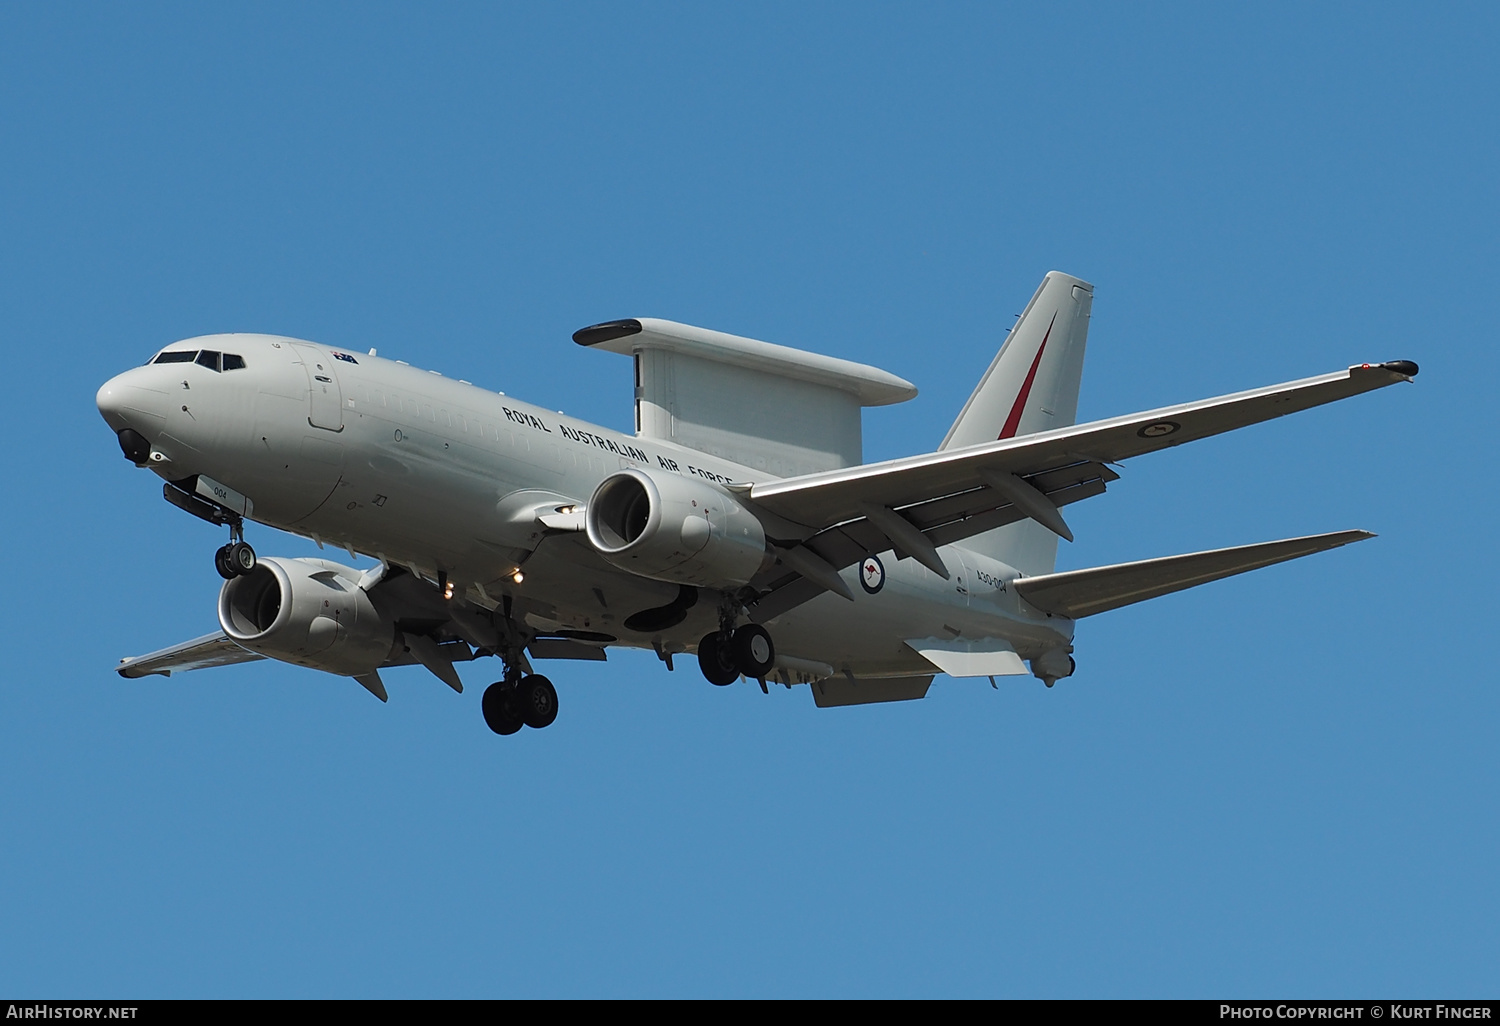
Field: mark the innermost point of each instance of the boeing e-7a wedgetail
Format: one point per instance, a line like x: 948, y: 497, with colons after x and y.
x: 738, y: 522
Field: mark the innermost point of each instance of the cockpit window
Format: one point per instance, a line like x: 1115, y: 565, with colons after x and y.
x: 214, y: 361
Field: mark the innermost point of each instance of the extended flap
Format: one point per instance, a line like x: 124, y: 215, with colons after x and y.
x: 961, y: 657
x: 565, y: 648
x: 843, y: 691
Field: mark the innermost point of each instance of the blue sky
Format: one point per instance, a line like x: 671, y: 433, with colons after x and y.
x: 1282, y: 784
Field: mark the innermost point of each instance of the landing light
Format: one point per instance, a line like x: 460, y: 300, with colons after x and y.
x: 518, y: 577
x: 448, y: 590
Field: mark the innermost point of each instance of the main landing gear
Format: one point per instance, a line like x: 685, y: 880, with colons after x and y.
x: 237, y: 558
x: 725, y: 654
x: 525, y: 701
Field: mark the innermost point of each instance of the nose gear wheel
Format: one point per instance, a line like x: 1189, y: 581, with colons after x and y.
x: 234, y: 560
x: 237, y: 558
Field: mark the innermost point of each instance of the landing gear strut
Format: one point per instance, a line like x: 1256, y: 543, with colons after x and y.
x: 521, y: 698
x: 237, y: 558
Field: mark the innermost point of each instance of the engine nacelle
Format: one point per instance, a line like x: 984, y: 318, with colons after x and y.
x: 676, y: 529
x: 311, y: 612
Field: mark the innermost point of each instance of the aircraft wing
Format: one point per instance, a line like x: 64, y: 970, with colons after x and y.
x: 199, y: 654
x: 917, y: 503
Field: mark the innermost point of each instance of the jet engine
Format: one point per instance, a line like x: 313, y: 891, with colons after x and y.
x: 311, y: 612
x: 676, y: 529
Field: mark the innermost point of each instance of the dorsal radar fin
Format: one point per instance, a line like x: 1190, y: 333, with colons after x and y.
x: 769, y: 407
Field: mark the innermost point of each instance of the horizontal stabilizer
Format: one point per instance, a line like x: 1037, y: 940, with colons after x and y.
x: 1080, y: 593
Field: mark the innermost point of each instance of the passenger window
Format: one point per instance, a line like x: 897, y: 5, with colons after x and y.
x: 186, y: 356
x: 210, y: 359
x: 233, y: 362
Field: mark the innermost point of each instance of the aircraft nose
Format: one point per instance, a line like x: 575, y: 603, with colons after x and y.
x: 109, y: 399
x: 136, y: 412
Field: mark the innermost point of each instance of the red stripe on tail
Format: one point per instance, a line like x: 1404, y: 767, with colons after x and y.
x: 1014, y: 420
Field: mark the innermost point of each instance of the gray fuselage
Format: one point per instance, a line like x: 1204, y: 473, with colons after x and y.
x: 443, y: 477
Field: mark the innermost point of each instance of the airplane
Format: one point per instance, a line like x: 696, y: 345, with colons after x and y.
x: 738, y: 523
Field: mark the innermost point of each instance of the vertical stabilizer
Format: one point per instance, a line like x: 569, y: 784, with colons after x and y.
x: 1031, y: 386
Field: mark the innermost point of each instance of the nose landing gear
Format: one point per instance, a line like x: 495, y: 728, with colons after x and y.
x: 237, y: 558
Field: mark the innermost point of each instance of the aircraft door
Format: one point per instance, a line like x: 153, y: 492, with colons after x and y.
x: 325, y: 398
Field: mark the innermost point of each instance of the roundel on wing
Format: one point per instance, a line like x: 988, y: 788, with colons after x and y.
x: 1160, y: 429
x: 872, y: 574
